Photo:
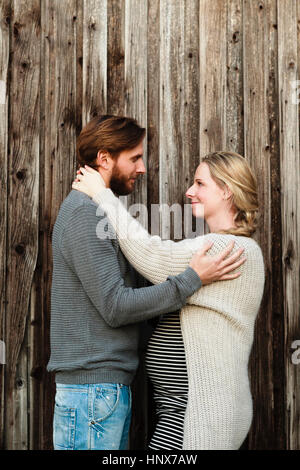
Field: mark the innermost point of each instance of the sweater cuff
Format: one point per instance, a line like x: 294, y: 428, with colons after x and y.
x: 190, y: 280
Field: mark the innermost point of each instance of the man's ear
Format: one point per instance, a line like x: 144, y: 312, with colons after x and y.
x: 104, y: 160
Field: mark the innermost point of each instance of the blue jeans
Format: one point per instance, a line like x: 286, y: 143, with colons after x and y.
x: 91, y: 417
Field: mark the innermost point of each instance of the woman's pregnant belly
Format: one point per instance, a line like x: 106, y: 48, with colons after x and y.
x: 166, y: 367
x: 219, y: 409
x: 165, y: 358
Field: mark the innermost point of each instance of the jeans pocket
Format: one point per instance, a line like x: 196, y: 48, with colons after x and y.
x: 64, y: 427
x: 106, y: 401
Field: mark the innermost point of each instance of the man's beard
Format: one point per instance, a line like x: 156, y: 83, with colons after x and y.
x: 119, y: 183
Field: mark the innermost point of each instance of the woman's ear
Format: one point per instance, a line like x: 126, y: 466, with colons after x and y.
x: 226, y: 192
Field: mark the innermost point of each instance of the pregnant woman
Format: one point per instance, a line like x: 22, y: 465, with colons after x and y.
x: 198, y: 362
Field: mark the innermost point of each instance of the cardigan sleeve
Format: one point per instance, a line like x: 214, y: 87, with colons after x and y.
x: 154, y: 258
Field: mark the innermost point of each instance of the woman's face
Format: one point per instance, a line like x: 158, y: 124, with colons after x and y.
x: 207, y: 198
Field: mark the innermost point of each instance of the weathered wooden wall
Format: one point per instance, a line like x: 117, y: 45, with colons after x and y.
x: 201, y: 75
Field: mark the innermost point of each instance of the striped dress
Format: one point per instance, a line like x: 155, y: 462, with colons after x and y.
x: 166, y: 368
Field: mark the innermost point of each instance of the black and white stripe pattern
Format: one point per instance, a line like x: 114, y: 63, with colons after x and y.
x: 166, y: 367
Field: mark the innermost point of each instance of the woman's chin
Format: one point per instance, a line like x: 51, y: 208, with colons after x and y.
x: 198, y: 210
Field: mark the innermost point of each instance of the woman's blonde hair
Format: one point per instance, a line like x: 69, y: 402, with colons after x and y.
x: 232, y: 170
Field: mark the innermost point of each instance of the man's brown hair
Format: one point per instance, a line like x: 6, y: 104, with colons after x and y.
x: 109, y: 133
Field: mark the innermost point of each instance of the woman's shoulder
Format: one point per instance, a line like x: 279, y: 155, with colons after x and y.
x: 254, y: 266
x: 221, y: 240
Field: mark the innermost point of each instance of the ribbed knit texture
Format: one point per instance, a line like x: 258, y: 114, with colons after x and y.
x: 95, y: 305
x: 217, y: 326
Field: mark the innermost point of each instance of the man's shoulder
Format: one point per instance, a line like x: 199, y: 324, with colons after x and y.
x: 79, y: 204
x: 76, y: 211
x: 76, y: 199
x: 86, y: 219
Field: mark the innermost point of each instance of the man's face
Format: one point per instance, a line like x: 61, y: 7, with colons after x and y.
x: 126, y: 169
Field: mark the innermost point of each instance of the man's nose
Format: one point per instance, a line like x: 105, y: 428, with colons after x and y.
x: 141, y: 167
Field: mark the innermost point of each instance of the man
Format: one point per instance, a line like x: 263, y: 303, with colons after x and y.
x: 96, y: 306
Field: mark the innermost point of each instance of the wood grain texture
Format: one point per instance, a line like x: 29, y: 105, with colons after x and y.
x: 190, y: 157
x: 22, y: 211
x: 61, y: 26
x: 153, y: 125
x: 234, y: 77
x: 115, y: 57
x: 200, y: 76
x: 94, y: 59
x: 5, y: 19
x: 153, y: 107
x: 212, y: 80
x: 275, y: 301
x: 135, y: 94
x: 288, y: 73
x: 258, y: 18
x: 171, y: 120
x: 135, y: 74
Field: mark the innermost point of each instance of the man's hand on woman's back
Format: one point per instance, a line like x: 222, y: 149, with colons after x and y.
x: 217, y: 267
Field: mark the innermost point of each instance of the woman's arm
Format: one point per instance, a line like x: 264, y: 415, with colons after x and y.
x: 154, y: 258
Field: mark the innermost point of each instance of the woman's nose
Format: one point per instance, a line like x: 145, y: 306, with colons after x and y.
x: 190, y: 192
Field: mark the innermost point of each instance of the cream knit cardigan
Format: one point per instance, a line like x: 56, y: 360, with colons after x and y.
x: 217, y: 326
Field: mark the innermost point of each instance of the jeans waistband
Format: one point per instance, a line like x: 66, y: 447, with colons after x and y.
x: 85, y: 387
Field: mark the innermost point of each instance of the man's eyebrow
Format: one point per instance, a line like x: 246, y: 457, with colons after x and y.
x: 138, y: 155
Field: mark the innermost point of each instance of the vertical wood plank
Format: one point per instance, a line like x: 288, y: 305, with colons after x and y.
x: 212, y: 81
x: 35, y: 376
x: 212, y: 78
x: 5, y: 18
x: 288, y: 74
x: 135, y: 70
x: 277, y: 294
x: 78, y: 22
x: 153, y: 102
x: 135, y: 93
x: 171, y: 118
x: 22, y: 210
x: 234, y: 82
x: 94, y: 59
x: 115, y: 57
x: 190, y: 157
x: 41, y: 384
x: 258, y: 19
x: 62, y: 25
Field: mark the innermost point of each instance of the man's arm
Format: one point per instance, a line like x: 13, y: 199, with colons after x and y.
x: 96, y: 264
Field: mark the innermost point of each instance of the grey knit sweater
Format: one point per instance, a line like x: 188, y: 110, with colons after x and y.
x: 95, y: 303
